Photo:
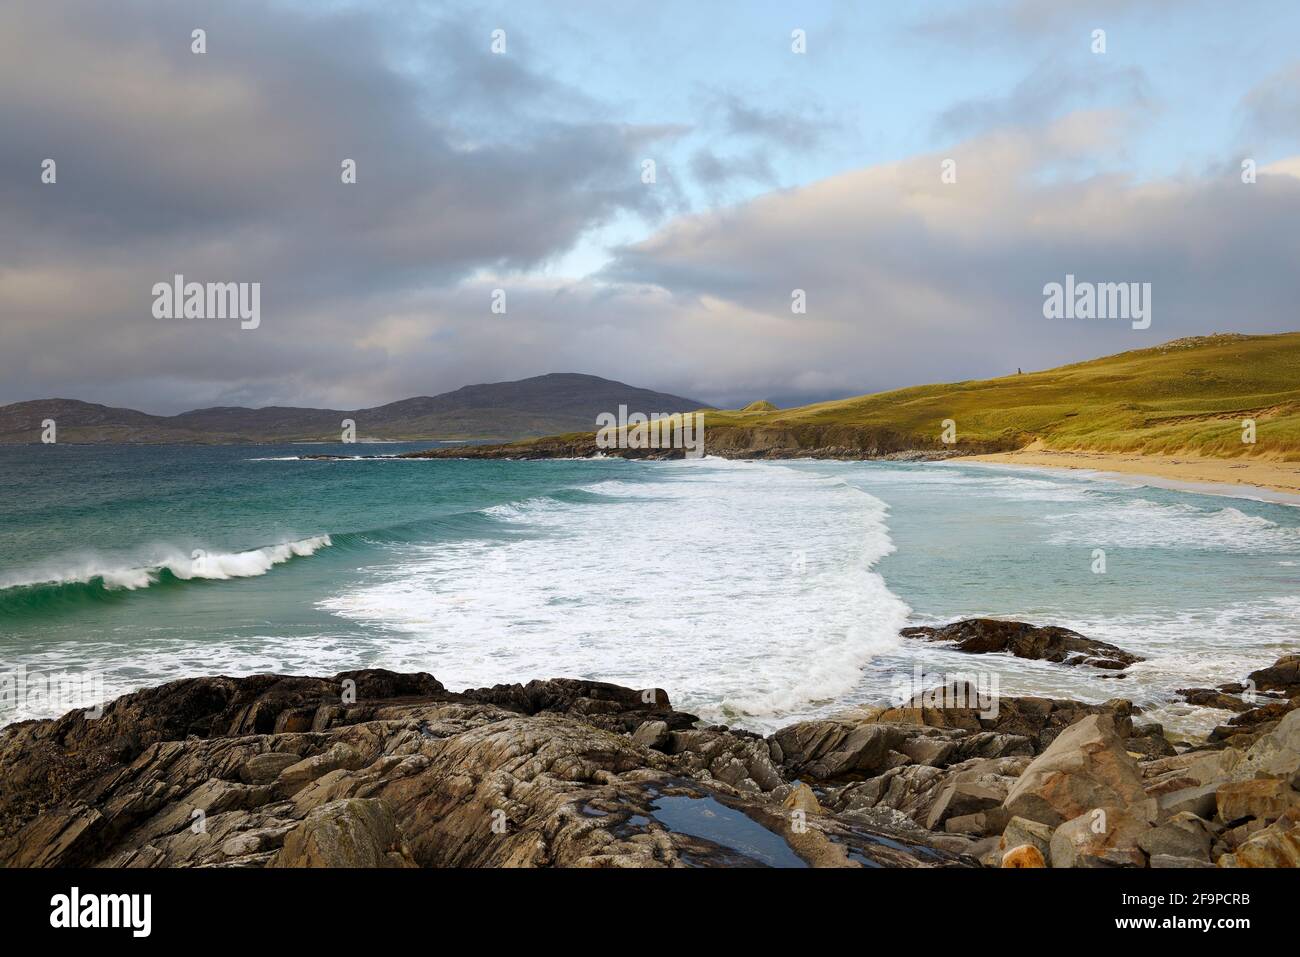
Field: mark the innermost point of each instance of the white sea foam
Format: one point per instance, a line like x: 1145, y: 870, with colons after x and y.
x: 1139, y: 523
x: 745, y: 588
x: 143, y: 572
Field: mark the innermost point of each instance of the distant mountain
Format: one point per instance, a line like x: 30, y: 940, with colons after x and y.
x: 503, y: 411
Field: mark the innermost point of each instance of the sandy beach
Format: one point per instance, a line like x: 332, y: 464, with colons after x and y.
x: 1187, y: 472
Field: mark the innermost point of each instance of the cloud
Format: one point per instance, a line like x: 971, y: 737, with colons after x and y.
x: 226, y: 166
x: 1270, y: 111
x: 909, y: 279
x: 1011, y: 23
x: 1050, y: 90
x: 478, y: 173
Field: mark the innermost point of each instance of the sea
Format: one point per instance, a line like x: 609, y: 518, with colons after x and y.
x: 755, y: 593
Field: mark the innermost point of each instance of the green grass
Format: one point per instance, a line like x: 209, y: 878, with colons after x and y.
x: 1187, y: 397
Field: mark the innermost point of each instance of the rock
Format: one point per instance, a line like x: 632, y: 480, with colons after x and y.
x: 913, y: 789
x: 347, y: 833
x: 802, y: 798
x: 1184, y: 835
x: 1102, y: 837
x: 962, y: 798
x: 935, y: 751
x: 1148, y: 741
x: 1264, y: 799
x: 1023, y: 855
x: 832, y: 748
x: 296, y: 775
x: 1014, y: 725
x: 1283, y: 675
x: 1277, y: 845
x: 1169, y: 860
x: 987, y: 823
x: 539, y: 775
x: 1200, y: 800
x: 652, y: 734
x: 1086, y: 767
x: 1276, y: 754
x: 984, y: 635
x: 1210, y: 698
x: 1020, y: 830
x: 265, y: 768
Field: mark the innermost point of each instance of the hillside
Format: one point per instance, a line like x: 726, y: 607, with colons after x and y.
x: 1188, y: 396
x: 541, y: 405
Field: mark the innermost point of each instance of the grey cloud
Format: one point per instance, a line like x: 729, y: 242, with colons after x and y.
x: 910, y: 280
x: 225, y: 166
x: 1052, y: 88
x: 786, y: 129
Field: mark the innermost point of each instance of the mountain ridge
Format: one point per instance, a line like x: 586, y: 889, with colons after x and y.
x: 503, y: 411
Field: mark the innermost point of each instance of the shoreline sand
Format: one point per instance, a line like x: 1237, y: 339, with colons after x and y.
x: 1239, y: 478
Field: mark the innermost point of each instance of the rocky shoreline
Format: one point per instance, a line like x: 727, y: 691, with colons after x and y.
x: 378, y: 769
x: 729, y: 442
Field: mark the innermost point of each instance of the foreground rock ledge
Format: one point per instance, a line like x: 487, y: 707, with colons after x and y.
x: 377, y: 769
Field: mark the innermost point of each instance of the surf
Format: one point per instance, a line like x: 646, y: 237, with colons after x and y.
x: 95, y: 578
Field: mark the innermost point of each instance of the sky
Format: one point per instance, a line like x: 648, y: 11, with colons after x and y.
x: 517, y: 177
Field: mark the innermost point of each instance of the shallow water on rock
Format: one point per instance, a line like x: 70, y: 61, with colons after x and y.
x: 711, y: 820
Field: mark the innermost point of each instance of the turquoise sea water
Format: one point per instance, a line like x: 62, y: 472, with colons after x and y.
x: 755, y: 593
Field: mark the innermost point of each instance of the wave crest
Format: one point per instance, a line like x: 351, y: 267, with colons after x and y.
x: 96, y: 574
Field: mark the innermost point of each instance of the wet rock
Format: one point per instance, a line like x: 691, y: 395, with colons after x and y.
x: 1086, y: 767
x: 984, y: 635
x: 1281, y: 676
x: 1211, y: 698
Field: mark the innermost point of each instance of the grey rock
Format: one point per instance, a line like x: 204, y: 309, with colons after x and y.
x: 1183, y: 835
x: 1198, y: 800
x: 652, y: 734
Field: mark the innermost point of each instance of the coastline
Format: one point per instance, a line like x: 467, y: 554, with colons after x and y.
x: 1238, y: 478
x: 380, y: 769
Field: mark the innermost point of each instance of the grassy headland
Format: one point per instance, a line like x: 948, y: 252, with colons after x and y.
x: 1186, y: 397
